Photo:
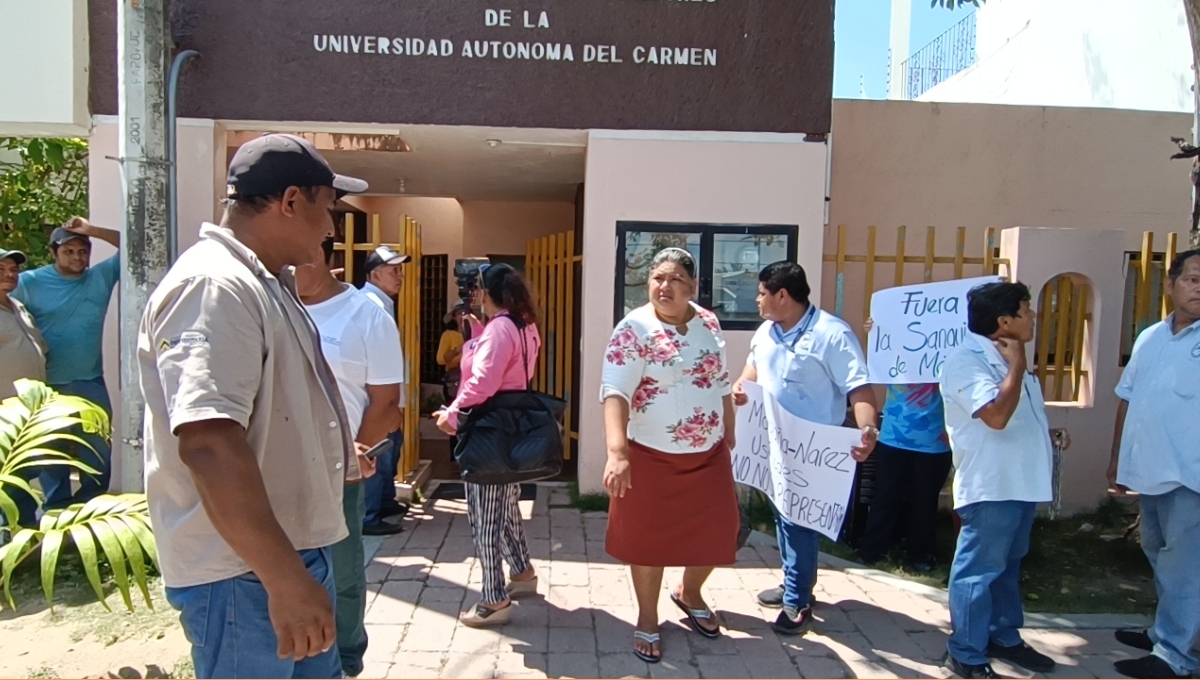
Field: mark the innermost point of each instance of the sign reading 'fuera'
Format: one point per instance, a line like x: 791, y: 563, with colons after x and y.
x: 747, y: 65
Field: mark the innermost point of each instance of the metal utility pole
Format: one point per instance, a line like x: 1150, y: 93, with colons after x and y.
x: 142, y: 62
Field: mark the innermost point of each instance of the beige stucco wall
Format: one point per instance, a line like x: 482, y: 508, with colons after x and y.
x: 468, y: 228
x: 688, y: 177
x: 503, y: 228
x: 975, y: 165
x: 201, y: 185
x: 44, y: 68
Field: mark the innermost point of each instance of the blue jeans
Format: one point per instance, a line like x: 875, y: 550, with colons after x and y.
x: 985, y: 594
x: 799, y: 548
x: 56, y: 479
x: 1171, y: 541
x: 231, y: 633
x: 380, y: 489
x: 350, y: 579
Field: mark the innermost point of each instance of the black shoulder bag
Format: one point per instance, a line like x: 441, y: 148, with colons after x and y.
x: 515, y: 436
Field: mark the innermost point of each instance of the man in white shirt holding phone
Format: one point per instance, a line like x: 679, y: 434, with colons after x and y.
x: 362, y: 347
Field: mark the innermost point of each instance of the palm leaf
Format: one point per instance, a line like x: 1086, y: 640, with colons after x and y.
x: 140, y: 527
x: 9, y: 508
x: 14, y: 552
x: 51, y: 549
x: 34, y: 425
x: 115, y: 554
x: 118, y: 524
x: 134, y: 553
x: 86, y: 546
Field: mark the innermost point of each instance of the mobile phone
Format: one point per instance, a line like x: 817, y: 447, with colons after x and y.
x: 377, y: 450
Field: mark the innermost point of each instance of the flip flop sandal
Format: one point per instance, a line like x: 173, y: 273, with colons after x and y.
x: 694, y: 617
x: 650, y: 639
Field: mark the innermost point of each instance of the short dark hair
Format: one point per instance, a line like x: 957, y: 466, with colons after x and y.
x: 987, y: 303
x: 1180, y: 260
x: 787, y: 276
x: 510, y: 291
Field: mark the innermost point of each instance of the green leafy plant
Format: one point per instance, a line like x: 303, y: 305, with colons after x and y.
x: 119, y: 524
x: 43, y: 183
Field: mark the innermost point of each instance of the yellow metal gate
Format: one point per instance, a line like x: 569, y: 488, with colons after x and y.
x: 408, y: 319
x: 550, y: 267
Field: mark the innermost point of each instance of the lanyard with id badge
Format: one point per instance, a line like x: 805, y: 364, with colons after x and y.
x: 793, y: 361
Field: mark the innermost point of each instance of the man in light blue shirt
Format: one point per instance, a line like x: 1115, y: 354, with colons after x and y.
x: 811, y: 363
x: 69, y: 300
x: 1003, y: 460
x: 1154, y: 454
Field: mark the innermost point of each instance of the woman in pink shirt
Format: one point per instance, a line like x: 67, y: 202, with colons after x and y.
x: 500, y: 356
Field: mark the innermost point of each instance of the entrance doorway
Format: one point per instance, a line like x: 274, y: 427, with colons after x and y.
x: 442, y: 193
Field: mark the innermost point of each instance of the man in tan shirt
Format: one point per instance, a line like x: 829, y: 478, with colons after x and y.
x: 22, y: 349
x: 22, y: 355
x: 247, y: 443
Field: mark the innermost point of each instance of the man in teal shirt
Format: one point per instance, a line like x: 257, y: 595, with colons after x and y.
x: 69, y: 300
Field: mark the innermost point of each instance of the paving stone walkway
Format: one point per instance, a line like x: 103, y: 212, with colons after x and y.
x: 581, y: 625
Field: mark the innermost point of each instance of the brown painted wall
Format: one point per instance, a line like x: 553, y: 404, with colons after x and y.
x: 773, y: 67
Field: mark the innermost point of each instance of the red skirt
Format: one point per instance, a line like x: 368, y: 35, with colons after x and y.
x: 681, y: 512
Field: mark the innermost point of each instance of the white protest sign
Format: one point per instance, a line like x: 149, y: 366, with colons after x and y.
x: 804, y: 468
x: 915, y: 329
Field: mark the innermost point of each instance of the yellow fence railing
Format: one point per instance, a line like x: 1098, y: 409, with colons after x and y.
x: 987, y: 261
x: 550, y: 266
x: 408, y: 320
x: 1064, y: 313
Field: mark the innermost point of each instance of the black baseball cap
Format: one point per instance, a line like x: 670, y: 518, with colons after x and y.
x: 60, y: 236
x: 14, y: 255
x: 268, y: 165
x: 382, y: 256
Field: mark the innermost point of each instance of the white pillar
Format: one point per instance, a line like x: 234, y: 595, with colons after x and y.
x: 898, y: 47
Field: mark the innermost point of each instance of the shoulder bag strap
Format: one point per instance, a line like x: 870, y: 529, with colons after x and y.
x: 525, y: 357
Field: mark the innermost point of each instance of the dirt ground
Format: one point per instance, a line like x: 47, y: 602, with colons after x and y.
x: 80, y: 639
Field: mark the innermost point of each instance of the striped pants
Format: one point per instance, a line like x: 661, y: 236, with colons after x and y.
x: 499, y: 536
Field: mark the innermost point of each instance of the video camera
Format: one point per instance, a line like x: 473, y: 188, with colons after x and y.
x: 466, y: 275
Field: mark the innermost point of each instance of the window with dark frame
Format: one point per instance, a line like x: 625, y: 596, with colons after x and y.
x: 728, y: 259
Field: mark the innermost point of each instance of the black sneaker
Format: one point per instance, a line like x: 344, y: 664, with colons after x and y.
x: 1147, y: 667
x: 1138, y: 639
x: 394, y: 510
x: 962, y: 670
x: 382, y: 528
x: 771, y: 598
x: 791, y: 622
x: 1023, y: 655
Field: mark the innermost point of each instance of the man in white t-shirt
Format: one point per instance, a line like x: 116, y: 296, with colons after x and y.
x: 362, y: 347
x: 1003, y: 462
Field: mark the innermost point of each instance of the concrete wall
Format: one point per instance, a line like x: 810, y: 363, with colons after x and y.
x: 201, y: 186
x: 1097, y: 255
x: 44, y: 68
x: 918, y: 164
x: 1090, y: 53
x: 469, y: 228
x: 689, y: 177
x: 497, y: 228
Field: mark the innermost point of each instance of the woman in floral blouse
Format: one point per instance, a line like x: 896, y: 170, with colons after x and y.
x: 668, y: 421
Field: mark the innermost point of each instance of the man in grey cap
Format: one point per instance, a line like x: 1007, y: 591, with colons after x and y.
x: 385, y: 276
x: 22, y: 355
x: 68, y: 300
x: 247, y: 438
